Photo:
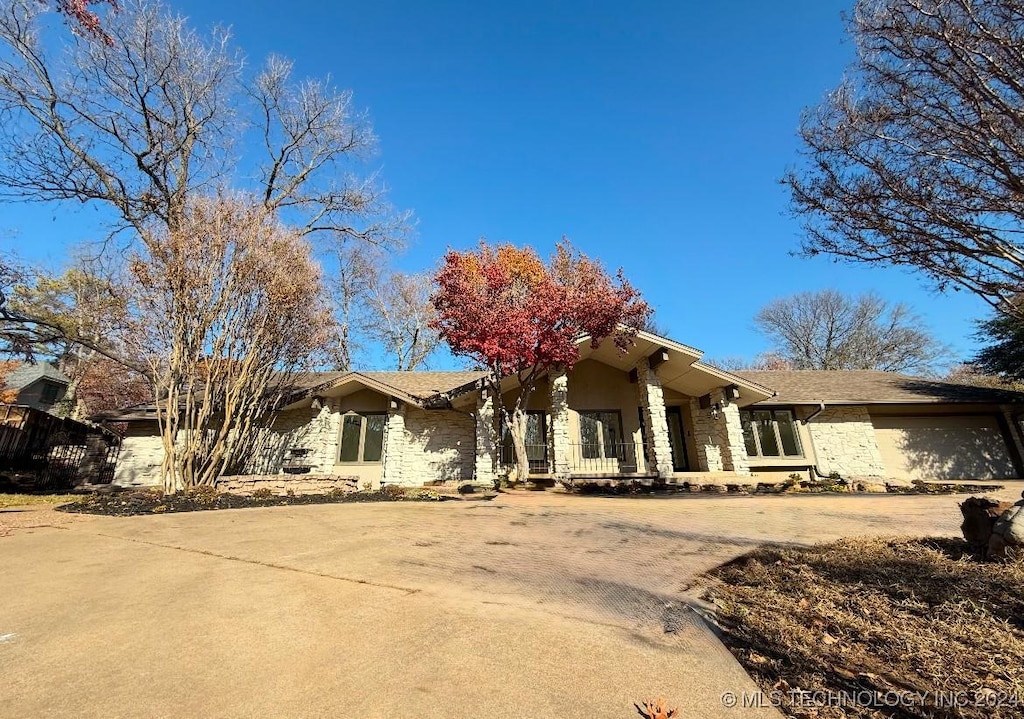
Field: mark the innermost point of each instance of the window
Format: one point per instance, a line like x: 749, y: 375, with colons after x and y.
x: 362, y: 437
x: 770, y: 433
x: 536, y: 439
x: 49, y: 393
x: 600, y: 434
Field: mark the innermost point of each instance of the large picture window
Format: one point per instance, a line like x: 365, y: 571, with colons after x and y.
x: 600, y: 434
x: 536, y: 440
x: 362, y: 437
x: 770, y: 433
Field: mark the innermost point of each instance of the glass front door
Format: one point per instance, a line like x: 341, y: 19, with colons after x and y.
x: 676, y: 439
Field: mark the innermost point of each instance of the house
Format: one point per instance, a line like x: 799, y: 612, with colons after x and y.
x: 39, y: 385
x: 654, y: 413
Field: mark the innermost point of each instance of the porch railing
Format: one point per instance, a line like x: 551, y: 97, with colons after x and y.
x: 537, y: 454
x: 601, y: 458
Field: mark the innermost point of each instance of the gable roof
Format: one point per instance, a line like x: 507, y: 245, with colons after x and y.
x: 870, y: 387
x: 29, y: 372
x: 419, y: 385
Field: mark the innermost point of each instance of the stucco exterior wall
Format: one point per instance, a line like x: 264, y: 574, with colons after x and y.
x: 844, y: 442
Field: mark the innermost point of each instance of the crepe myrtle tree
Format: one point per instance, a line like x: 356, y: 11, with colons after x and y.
x: 519, y: 316
x: 225, y: 309
x: 157, y: 117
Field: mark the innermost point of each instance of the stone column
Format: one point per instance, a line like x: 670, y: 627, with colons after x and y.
x: 658, y: 457
x: 483, y: 472
x: 709, y: 455
x: 394, y: 444
x: 734, y: 450
x: 719, y: 440
x: 558, y: 430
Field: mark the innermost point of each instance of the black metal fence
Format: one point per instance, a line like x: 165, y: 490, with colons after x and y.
x: 584, y: 458
x: 603, y: 458
x: 41, y: 452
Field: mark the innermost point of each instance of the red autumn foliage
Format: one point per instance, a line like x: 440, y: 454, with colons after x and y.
x: 84, y: 20
x: 508, y: 310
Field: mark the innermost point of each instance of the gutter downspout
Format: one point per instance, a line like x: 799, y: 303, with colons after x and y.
x: 814, y: 467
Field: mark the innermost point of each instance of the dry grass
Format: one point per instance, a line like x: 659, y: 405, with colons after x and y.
x: 876, y: 615
x: 21, y: 500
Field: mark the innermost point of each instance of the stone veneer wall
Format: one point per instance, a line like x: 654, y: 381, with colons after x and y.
x: 486, y: 439
x: 440, y: 446
x: 142, y: 451
x: 558, y: 425
x: 720, y: 446
x: 652, y: 403
x: 844, y: 442
x: 283, y: 483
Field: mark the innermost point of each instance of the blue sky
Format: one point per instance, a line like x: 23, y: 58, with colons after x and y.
x: 652, y: 134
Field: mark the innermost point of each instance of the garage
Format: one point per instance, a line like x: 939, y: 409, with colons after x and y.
x: 943, y: 447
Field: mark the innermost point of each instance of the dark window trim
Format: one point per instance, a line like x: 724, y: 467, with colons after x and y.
x: 362, y: 438
x: 747, y: 416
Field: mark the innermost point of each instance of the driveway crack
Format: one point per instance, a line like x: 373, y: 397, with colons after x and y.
x: 269, y: 565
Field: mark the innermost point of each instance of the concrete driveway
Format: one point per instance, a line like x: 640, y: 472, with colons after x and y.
x: 532, y: 605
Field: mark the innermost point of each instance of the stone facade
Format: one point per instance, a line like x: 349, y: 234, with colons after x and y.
x: 719, y: 441
x: 484, y: 459
x: 440, y: 446
x: 142, y: 452
x: 558, y: 426
x: 652, y: 402
x: 844, y: 442
x: 394, y: 445
x: 284, y: 483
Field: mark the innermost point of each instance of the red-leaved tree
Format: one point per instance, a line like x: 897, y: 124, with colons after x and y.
x: 518, y: 316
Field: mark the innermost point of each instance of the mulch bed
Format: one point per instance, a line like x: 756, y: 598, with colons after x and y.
x: 907, y: 628
x: 124, y: 504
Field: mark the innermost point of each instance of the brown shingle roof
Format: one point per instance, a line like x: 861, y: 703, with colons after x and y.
x: 869, y: 387
x: 415, y: 383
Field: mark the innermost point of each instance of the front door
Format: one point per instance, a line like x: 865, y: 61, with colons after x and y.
x: 677, y: 439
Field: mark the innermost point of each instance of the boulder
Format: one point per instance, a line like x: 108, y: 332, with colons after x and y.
x: 980, y: 517
x: 1010, y: 525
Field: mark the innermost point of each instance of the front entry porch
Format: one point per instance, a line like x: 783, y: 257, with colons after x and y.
x: 655, y: 418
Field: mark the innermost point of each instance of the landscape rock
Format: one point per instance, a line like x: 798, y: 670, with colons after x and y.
x: 980, y: 517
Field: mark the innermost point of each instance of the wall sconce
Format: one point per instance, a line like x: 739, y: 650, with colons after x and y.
x: 716, y: 409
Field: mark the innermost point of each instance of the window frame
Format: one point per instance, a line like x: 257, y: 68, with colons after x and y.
x: 602, y: 449
x: 49, y: 392
x: 361, y: 450
x: 747, y: 417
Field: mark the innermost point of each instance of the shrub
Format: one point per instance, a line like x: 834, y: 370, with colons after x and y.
x: 204, y: 494
x: 263, y: 493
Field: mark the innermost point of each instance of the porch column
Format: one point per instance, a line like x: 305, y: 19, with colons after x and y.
x: 558, y: 430
x: 483, y: 472
x: 718, y: 435
x: 652, y: 400
x: 734, y: 449
x: 394, y: 444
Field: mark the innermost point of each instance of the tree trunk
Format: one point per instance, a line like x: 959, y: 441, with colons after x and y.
x: 518, y: 430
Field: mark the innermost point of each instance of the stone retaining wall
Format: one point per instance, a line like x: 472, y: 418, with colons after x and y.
x: 282, y: 483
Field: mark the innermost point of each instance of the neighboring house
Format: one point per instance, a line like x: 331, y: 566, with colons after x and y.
x: 39, y: 385
x: 655, y: 412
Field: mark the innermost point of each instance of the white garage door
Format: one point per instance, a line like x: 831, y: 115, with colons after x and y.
x: 943, y: 447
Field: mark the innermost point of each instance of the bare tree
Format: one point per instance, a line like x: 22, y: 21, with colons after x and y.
x: 351, y: 287
x: 147, y: 122
x: 402, y: 316
x: 917, y: 158
x: 226, y: 308
x: 829, y: 330
x: 762, y: 361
